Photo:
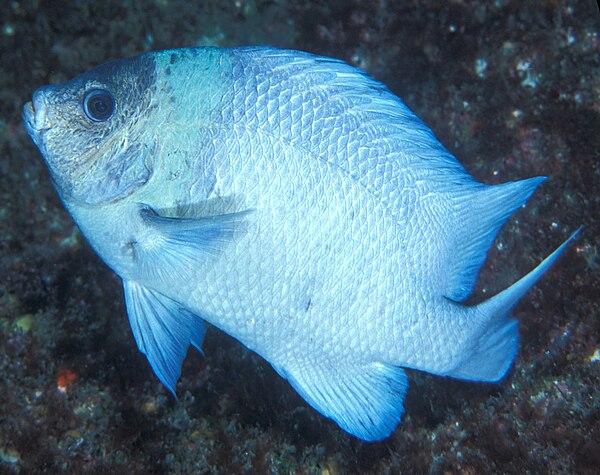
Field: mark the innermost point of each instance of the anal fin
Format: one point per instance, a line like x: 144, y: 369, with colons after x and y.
x: 364, y: 399
x: 163, y: 330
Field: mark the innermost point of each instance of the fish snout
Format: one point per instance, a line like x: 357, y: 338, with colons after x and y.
x: 35, y: 112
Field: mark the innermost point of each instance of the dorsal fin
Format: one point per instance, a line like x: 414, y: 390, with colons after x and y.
x: 478, y: 216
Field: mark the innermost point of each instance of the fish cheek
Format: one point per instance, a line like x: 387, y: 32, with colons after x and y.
x: 118, y: 171
x: 115, y: 156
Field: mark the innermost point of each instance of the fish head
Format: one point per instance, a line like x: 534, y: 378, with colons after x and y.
x: 93, y: 130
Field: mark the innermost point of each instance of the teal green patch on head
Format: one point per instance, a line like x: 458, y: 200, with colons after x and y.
x: 194, y: 86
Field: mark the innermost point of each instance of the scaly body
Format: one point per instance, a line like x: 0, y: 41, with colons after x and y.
x: 299, y: 206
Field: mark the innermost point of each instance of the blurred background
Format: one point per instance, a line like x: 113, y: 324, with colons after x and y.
x: 511, y: 87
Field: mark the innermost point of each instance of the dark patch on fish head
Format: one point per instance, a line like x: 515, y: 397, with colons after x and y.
x: 92, y: 130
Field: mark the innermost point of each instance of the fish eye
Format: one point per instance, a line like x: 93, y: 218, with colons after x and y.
x: 98, y: 105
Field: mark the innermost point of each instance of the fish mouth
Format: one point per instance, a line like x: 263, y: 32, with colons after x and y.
x: 28, y: 116
x: 34, y: 116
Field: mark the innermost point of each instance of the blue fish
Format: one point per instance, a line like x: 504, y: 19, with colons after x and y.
x: 296, y: 204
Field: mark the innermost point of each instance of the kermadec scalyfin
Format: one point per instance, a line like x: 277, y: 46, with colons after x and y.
x: 296, y: 204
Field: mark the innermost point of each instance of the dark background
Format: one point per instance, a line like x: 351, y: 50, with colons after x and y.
x: 511, y: 87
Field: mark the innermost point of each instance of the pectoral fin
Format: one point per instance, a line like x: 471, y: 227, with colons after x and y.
x: 206, y: 234
x: 176, y: 246
x: 163, y: 330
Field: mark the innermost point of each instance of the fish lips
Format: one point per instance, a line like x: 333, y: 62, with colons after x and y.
x: 34, y: 117
x: 28, y: 116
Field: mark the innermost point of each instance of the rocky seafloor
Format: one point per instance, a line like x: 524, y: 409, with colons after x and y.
x: 512, y: 88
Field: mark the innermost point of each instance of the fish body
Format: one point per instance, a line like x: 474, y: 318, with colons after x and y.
x: 296, y: 204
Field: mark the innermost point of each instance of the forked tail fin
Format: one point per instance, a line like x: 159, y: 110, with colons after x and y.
x: 479, y: 213
x: 496, y: 348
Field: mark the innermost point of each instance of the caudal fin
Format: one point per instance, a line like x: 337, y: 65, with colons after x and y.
x: 496, y: 347
x: 478, y: 215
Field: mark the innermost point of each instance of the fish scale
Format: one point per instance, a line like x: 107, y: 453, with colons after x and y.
x: 294, y: 203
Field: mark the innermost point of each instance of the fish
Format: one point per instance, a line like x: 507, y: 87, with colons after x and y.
x: 296, y: 204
